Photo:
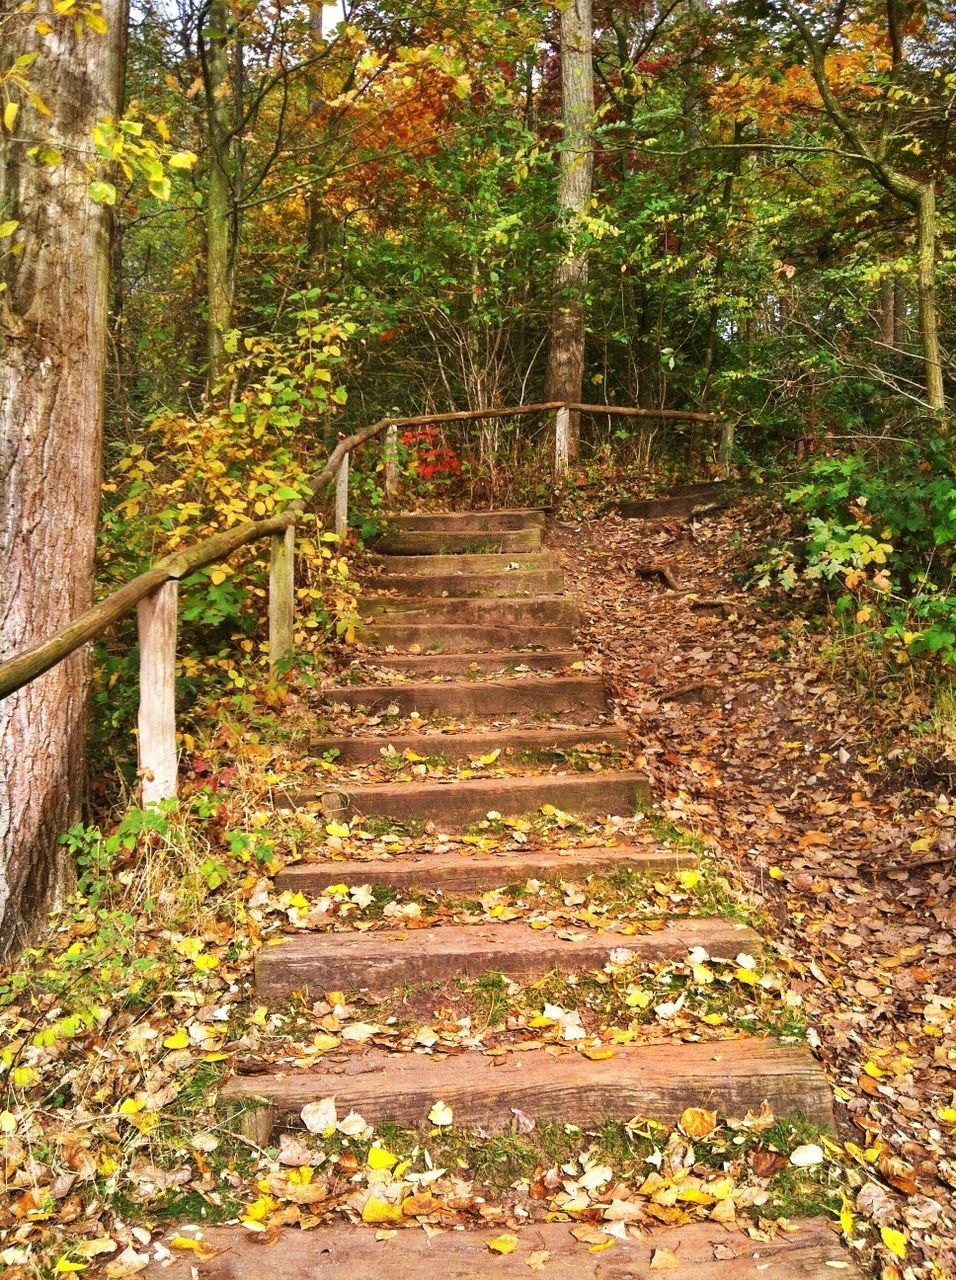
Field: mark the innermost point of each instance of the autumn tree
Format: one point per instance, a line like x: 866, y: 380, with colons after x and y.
x: 61, y: 75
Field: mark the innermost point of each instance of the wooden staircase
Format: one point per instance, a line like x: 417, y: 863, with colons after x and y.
x: 469, y: 621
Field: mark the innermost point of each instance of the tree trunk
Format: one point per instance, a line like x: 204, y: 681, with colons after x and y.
x: 220, y: 197
x: 53, y: 318
x: 887, y: 312
x: 565, y: 372
x: 926, y: 295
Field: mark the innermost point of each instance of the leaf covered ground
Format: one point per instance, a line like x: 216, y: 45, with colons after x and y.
x: 117, y: 1031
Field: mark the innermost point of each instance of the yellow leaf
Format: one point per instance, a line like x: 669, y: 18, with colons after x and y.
x: 10, y: 113
x: 256, y: 1211
x: 337, y: 829
x: 205, y: 963
x: 23, y: 1077
x: 62, y: 1264
x: 376, y: 1210
x: 441, y: 1114
x: 131, y: 1106
x: 8, y: 1122
x: 894, y: 1240
x: 379, y: 1158
x: 846, y: 1219
x: 947, y: 1114
x: 190, y: 1245
x: 506, y: 1243
x: 491, y: 757
x: 689, y: 879
x: 698, y: 1123
x: 748, y: 976
x: 775, y: 873
x: 216, y: 576
x: 322, y: 1043
x: 598, y: 1055
x: 178, y: 1040
x: 190, y: 947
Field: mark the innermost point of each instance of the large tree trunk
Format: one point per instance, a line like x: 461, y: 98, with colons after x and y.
x: 566, y: 352
x: 53, y: 317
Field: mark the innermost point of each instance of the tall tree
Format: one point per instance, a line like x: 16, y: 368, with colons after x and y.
x: 53, y: 312
x: 565, y: 371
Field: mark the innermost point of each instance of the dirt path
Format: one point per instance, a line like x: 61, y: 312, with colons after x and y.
x: 775, y: 767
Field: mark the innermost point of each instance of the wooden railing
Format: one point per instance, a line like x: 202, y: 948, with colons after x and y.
x: 154, y: 594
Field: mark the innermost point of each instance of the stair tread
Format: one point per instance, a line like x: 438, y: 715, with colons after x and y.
x: 651, y: 1081
x: 387, y: 958
x: 464, y: 746
x: 807, y: 1250
x: 455, y: 803
x: 457, y: 871
x: 483, y: 661
x: 465, y: 562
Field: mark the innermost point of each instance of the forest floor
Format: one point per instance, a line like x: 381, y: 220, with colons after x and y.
x: 834, y: 824
x: 115, y: 1032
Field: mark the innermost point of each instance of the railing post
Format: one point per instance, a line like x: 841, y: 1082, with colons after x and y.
x: 281, y: 594
x: 562, y: 433
x: 725, y: 449
x: 158, y: 756
x: 391, y: 461
x: 342, y: 498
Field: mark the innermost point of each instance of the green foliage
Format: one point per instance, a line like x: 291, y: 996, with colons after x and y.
x: 875, y: 534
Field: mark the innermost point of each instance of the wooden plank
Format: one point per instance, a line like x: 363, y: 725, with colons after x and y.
x: 478, y: 697
x: 807, y: 1250
x: 466, y: 872
x: 646, y: 1082
x: 281, y: 594
x: 342, y: 497
x: 562, y: 436
x: 158, y: 754
x: 389, y: 958
x: 468, y: 746
x: 391, y: 461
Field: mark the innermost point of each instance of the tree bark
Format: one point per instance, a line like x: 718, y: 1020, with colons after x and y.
x: 220, y: 196
x: 53, y: 328
x: 565, y: 373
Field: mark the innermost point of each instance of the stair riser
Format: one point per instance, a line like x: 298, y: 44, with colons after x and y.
x: 807, y: 1250
x: 468, y: 639
x: 538, y: 612
x: 453, y: 806
x: 462, y: 585
x: 478, y: 697
x: 431, y: 566
x: 435, y: 544
x: 383, y: 962
x: 454, y: 874
x: 650, y: 1083
x: 469, y: 746
x: 451, y: 664
x: 479, y: 522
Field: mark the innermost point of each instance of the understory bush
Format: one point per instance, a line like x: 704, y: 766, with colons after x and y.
x: 874, y: 536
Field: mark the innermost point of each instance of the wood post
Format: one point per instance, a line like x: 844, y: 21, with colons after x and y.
x: 562, y: 437
x: 725, y: 448
x: 342, y: 497
x: 158, y: 755
x: 281, y: 594
x: 391, y: 461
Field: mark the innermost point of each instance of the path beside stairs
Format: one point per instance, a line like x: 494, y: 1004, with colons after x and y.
x: 470, y: 608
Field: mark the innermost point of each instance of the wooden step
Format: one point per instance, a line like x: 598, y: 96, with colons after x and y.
x: 808, y: 1250
x: 470, y: 746
x: 516, y: 582
x: 468, y: 521
x: 478, y: 697
x: 646, y: 1082
x: 454, y: 805
x: 535, y: 611
x: 451, y: 638
x: 387, y: 959
x: 484, y: 562
x: 433, y: 543
x: 442, y: 664
x: 467, y: 872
